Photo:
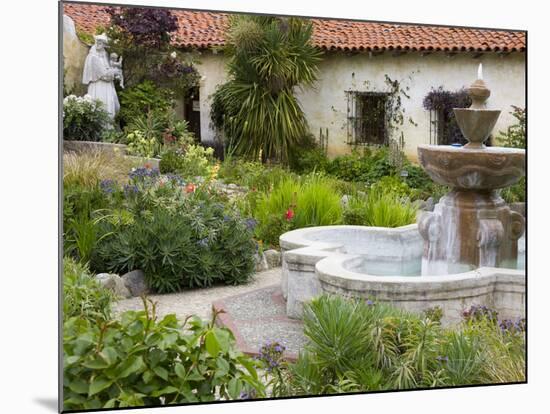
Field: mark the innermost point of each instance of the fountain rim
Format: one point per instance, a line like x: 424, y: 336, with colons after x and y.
x: 472, y: 150
x: 333, y: 269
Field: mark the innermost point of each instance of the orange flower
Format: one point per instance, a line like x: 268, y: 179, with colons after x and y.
x: 190, y: 188
x: 148, y: 165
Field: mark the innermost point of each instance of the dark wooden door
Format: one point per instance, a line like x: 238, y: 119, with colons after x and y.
x: 193, y: 113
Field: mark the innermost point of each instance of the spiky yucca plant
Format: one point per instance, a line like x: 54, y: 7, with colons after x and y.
x: 256, y: 109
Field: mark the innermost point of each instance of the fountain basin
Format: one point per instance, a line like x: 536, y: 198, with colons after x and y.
x: 383, y: 264
x: 487, y: 168
x: 388, y: 250
x: 499, y: 288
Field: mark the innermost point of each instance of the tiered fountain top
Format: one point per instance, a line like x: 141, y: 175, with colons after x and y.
x: 474, y: 166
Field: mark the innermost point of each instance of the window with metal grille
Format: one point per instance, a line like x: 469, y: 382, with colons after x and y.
x: 367, y: 120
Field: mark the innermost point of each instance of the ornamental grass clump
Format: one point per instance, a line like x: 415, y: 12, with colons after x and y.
x: 380, y: 208
x: 295, y: 204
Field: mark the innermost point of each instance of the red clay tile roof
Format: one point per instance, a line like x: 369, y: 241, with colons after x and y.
x: 206, y: 29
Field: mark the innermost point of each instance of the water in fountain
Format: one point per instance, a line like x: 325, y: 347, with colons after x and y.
x: 471, y: 226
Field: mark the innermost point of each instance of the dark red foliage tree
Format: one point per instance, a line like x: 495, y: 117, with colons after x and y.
x: 147, y: 26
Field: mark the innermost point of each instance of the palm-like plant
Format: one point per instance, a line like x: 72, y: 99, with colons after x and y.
x: 256, y: 109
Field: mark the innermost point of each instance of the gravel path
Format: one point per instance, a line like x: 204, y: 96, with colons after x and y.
x: 199, y: 301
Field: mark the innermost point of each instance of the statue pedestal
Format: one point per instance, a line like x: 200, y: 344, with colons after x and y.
x: 467, y: 230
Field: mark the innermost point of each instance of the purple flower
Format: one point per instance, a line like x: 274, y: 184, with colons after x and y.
x: 442, y: 358
x: 369, y: 302
x: 271, y: 354
x: 140, y: 174
x: 248, y: 395
x: 130, y: 189
x: 107, y: 186
x: 250, y: 224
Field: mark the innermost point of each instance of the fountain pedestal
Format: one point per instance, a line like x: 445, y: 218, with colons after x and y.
x: 471, y: 226
x: 467, y: 230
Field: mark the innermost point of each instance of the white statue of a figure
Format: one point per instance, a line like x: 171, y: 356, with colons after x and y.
x: 99, y: 76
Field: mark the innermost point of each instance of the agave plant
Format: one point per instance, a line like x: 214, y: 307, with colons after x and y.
x: 256, y: 109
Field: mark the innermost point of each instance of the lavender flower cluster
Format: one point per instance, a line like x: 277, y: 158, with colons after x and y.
x: 107, y: 186
x: 508, y: 325
x: 251, y: 223
x: 479, y: 312
x: 142, y: 173
x: 271, y: 354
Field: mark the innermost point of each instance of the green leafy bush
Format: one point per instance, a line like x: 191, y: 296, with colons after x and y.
x: 141, y: 361
x: 140, y: 145
x: 308, y: 158
x: 84, y: 119
x: 83, y: 297
x: 195, y: 161
x: 179, y: 236
x: 141, y: 99
x: 254, y: 175
x: 516, y: 193
x: 515, y: 136
x: 366, y: 166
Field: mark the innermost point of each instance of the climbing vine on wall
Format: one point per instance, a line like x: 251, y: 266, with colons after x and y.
x: 387, y: 115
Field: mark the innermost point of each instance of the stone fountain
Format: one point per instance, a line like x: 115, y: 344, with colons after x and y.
x: 471, y: 226
x: 463, y: 253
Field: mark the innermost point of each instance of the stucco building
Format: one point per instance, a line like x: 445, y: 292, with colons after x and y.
x: 358, y: 60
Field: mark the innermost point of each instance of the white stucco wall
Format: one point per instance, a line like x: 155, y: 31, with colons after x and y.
x: 74, y: 55
x: 326, y: 104
x: 213, y: 73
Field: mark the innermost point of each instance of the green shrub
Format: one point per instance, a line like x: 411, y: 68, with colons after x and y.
x: 179, y: 237
x: 351, y: 167
x: 141, y: 99
x: 307, y: 160
x: 141, y: 145
x: 254, y: 175
x: 515, y: 136
x: 140, y: 361
x: 84, y: 119
x: 516, y: 193
x: 366, y: 166
x: 83, y: 297
x: 196, y: 161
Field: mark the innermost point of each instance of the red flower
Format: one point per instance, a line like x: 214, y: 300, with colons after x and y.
x: 190, y: 188
x: 289, y: 214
